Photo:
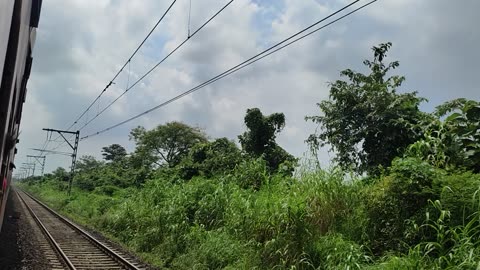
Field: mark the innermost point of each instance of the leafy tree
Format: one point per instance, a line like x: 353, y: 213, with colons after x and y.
x: 211, y: 158
x: 452, y: 139
x: 92, y: 174
x: 87, y: 163
x: 166, y: 144
x: 462, y: 118
x: 365, y: 121
x: 259, y: 139
x: 60, y: 174
x: 113, y: 152
x: 88, y: 173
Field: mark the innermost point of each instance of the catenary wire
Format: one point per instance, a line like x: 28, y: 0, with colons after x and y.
x: 156, y: 65
x: 124, y: 65
x: 118, y: 72
x: 244, y: 64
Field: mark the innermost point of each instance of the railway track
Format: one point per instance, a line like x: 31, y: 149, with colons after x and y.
x: 75, y: 248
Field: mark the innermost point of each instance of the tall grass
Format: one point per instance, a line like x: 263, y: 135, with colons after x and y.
x: 315, y: 220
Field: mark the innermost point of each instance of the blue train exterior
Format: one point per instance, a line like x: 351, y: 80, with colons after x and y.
x: 18, y: 22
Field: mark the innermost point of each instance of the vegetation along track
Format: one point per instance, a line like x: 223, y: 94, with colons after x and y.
x: 75, y: 247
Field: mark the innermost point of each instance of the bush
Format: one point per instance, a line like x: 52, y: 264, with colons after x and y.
x: 106, y: 190
x: 397, y: 197
x: 334, y: 252
x: 210, y: 159
x: 446, y: 246
x: 251, y: 173
x: 318, y: 219
x: 459, y: 194
x: 214, y: 250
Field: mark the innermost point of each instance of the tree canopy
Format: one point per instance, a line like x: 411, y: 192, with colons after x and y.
x: 260, y: 137
x: 366, y: 122
x: 166, y: 144
x: 452, y: 138
x: 113, y: 152
x: 211, y: 158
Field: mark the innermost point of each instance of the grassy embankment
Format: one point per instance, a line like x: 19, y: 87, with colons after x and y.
x: 415, y: 216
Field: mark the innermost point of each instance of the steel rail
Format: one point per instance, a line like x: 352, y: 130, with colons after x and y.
x: 47, y: 233
x: 99, y: 244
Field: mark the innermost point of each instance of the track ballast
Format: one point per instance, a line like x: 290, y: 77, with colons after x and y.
x: 76, y: 248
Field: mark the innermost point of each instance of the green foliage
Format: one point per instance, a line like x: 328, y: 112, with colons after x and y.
x: 214, y: 250
x: 87, y: 175
x: 251, y: 173
x: 453, y: 247
x: 334, y: 252
x: 319, y: 220
x: 399, y: 196
x: 92, y: 174
x: 166, y: 144
x: 365, y: 121
x: 113, y: 152
x: 259, y: 139
x: 210, y: 159
x: 458, y: 193
x: 60, y: 174
x: 224, y: 222
x: 454, y: 141
x: 247, y: 210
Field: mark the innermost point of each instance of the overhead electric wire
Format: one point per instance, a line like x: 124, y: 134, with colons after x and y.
x: 158, y: 64
x: 45, y: 144
x: 288, y: 41
x: 118, y: 72
x: 124, y: 65
x: 53, y: 152
x: 148, y: 72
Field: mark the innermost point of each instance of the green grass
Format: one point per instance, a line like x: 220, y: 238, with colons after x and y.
x: 318, y: 220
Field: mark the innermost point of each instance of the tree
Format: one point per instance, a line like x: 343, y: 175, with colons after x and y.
x: 211, y: 158
x: 113, y: 152
x: 166, y: 144
x: 60, y: 174
x: 259, y: 139
x: 463, y: 121
x: 88, y: 171
x: 452, y: 139
x: 365, y: 121
x: 87, y: 163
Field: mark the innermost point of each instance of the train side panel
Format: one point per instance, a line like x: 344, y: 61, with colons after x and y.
x: 6, y: 10
x: 18, y: 20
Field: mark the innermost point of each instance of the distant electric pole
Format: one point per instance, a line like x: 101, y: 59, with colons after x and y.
x: 74, y: 149
x: 28, y: 167
x: 38, y: 158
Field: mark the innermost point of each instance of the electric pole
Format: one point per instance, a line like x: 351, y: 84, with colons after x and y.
x: 29, y: 167
x: 74, y: 150
x: 38, y: 158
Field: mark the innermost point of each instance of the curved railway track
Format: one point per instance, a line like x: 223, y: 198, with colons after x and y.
x: 76, y: 248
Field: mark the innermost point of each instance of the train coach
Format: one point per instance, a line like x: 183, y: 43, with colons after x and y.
x: 18, y: 22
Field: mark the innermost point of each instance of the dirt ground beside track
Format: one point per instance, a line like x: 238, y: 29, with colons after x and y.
x: 18, y: 239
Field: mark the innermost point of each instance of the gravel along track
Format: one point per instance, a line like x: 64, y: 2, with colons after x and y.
x: 76, y: 248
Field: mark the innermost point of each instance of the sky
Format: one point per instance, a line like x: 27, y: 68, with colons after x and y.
x: 81, y: 44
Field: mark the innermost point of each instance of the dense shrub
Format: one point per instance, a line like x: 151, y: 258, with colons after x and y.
x: 321, y: 220
x: 214, y: 250
x: 459, y: 193
x: 250, y: 173
x: 397, y: 197
x: 209, y: 159
x: 335, y: 252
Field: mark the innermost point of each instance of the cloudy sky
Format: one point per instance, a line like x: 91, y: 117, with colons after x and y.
x: 81, y: 44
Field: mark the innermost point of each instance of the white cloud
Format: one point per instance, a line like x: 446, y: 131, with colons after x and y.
x: 81, y: 45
